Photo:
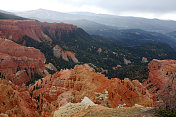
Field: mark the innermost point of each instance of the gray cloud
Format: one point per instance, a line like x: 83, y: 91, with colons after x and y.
x: 157, y: 6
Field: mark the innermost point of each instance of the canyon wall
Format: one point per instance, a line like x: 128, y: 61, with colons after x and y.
x: 66, y: 55
x: 162, y: 82
x: 39, y: 31
x: 19, y: 63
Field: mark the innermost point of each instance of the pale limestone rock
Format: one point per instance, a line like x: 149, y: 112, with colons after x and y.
x: 50, y: 66
x: 126, y: 61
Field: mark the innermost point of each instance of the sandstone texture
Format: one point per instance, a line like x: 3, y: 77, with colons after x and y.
x: 15, y: 101
x: 17, y: 29
x: 162, y: 82
x: 83, y: 92
x: 18, y: 63
x: 74, y: 84
x: 71, y: 92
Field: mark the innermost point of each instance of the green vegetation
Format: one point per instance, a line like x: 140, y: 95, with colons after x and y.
x: 34, y: 77
x: 165, y: 113
x: 2, y: 76
x: 113, y: 53
x: 134, y: 72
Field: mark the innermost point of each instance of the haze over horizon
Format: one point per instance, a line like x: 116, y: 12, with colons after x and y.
x: 164, y: 9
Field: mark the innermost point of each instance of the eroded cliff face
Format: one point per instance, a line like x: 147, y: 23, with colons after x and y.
x: 55, y: 91
x: 26, y: 31
x: 73, y: 85
x: 162, y: 82
x: 57, y: 30
x: 19, y: 63
x: 17, y: 29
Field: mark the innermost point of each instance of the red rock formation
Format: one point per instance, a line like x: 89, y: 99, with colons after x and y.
x: 162, y: 81
x: 65, y: 86
x: 16, y: 101
x: 56, y: 30
x: 71, y: 55
x: 17, y: 62
x: 73, y: 85
x: 58, y: 52
x: 16, y: 29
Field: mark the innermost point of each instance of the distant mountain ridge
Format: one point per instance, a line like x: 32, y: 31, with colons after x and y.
x: 122, y: 22
x: 133, y: 37
x: 9, y: 15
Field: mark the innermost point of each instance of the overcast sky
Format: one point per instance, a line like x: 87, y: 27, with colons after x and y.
x: 162, y: 9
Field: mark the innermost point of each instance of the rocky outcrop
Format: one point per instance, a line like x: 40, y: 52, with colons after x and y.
x: 74, y: 92
x: 94, y: 110
x: 99, y: 50
x: 51, y: 67
x: 39, y: 31
x: 144, y: 60
x: 72, y: 108
x: 126, y: 61
x: 73, y: 85
x: 16, y: 101
x: 59, y: 52
x: 102, y: 98
x: 19, y: 63
x: 162, y: 82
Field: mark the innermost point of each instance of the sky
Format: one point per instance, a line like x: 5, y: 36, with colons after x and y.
x: 161, y: 9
